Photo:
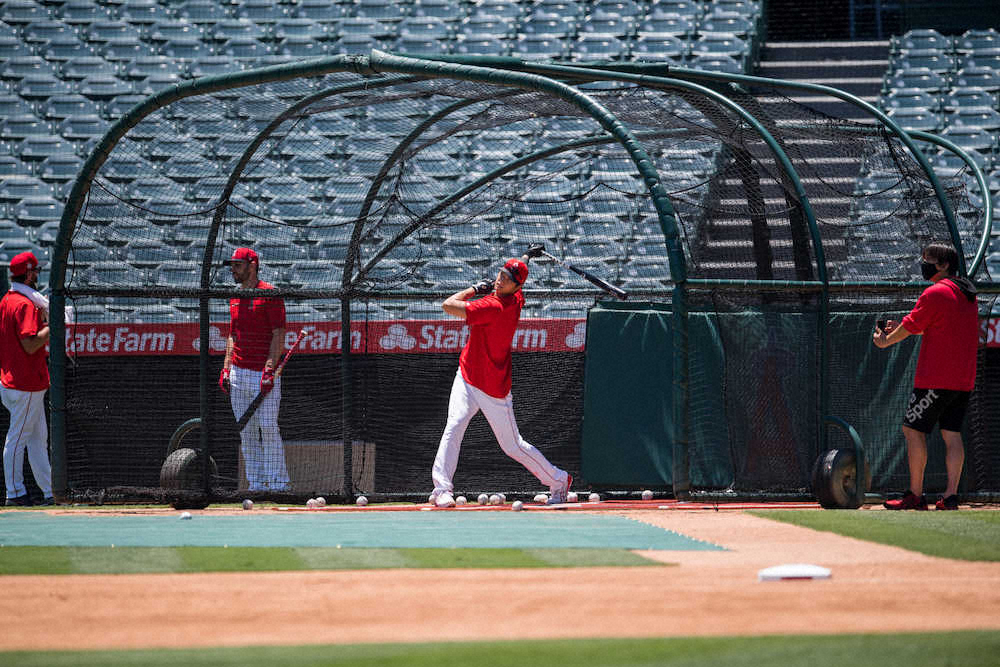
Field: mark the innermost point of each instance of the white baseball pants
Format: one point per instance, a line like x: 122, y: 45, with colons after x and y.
x: 463, y: 405
x: 27, y: 432
x: 263, y: 450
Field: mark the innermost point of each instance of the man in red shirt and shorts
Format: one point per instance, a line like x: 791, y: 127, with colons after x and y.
x: 256, y: 340
x: 483, y: 381
x: 947, y: 317
x: 24, y: 379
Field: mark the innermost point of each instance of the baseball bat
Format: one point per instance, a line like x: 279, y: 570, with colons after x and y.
x: 242, y: 423
x: 600, y: 282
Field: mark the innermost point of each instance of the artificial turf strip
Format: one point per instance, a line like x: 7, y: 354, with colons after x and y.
x: 969, y: 649
x: 962, y: 535
x: 148, y: 560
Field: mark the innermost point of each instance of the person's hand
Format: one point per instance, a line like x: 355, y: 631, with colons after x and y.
x: 267, y: 380
x: 890, y: 326
x: 535, y: 250
x: 483, y: 287
x: 224, y: 380
x: 880, y: 338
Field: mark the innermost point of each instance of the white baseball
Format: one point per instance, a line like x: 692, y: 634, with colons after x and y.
x: 461, y: 500
x: 185, y: 515
x: 248, y: 504
x: 483, y: 499
x: 321, y: 502
x: 594, y: 497
x: 541, y: 498
x: 494, y: 499
x: 647, y: 495
x: 311, y: 503
x: 517, y: 506
x: 503, y: 498
x: 361, y: 501
x: 572, y: 497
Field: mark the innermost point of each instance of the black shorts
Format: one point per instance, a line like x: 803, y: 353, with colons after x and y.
x: 945, y: 407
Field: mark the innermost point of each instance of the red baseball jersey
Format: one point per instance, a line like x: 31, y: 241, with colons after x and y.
x: 949, y: 323
x: 486, y: 357
x: 252, y: 322
x: 19, y: 319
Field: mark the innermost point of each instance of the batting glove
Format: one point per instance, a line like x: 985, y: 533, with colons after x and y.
x: 224, y: 380
x: 267, y: 380
x: 483, y: 287
x: 535, y: 250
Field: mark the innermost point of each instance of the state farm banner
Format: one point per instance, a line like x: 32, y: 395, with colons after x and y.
x: 377, y: 337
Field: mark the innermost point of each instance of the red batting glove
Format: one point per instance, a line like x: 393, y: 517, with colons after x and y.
x: 267, y: 380
x: 224, y: 380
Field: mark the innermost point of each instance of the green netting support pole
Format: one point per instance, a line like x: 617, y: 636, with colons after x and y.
x: 984, y: 192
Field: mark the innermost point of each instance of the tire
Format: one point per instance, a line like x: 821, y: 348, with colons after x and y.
x: 180, y: 436
x: 181, y: 478
x: 834, y: 478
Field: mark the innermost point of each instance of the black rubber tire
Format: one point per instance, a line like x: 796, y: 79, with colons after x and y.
x: 180, y: 477
x: 834, y: 477
x: 177, y: 440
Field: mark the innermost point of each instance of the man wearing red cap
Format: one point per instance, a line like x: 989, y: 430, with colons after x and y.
x: 256, y: 339
x: 24, y: 378
x: 483, y: 381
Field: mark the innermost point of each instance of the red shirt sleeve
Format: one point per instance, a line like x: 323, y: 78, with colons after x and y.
x: 483, y: 311
x: 27, y: 321
x: 923, y: 314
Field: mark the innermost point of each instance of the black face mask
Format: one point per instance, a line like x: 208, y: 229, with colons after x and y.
x: 928, y: 269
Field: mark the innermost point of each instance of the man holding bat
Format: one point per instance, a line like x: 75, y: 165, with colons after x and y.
x: 255, y: 343
x: 483, y: 380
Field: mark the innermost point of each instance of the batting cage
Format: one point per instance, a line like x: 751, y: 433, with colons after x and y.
x: 372, y: 187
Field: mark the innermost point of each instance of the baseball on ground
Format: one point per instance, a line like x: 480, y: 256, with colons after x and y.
x: 594, y: 497
x: 185, y: 515
x: 495, y: 499
x: 321, y: 502
x: 311, y: 503
x: 572, y: 497
x: 647, y: 495
x: 541, y: 498
x: 517, y: 506
x: 461, y: 500
x: 483, y: 499
x: 248, y: 504
x: 361, y: 501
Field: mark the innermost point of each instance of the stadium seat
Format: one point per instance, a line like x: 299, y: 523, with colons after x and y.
x: 982, y: 117
x: 515, y: 10
x: 656, y: 47
x: 917, y: 77
x: 382, y: 10
x: 939, y: 63
x: 322, y: 10
x: 538, y: 48
x: 555, y: 26
x: 916, y: 119
x: 983, y: 77
x: 39, y: 87
x: 480, y: 26
x: 36, y: 148
x: 978, y: 41
x: 22, y: 12
x: 84, y: 12
x: 911, y: 98
x: 12, y: 47
x: 660, y: 22
x: 33, y: 211
x: 37, y: 33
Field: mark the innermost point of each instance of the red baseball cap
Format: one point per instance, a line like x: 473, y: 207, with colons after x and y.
x: 516, y: 270
x: 243, y: 255
x: 21, y: 262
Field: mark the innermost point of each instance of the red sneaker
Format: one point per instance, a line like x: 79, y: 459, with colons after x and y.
x: 909, y: 501
x: 949, y: 503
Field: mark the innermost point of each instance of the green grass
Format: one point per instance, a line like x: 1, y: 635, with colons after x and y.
x: 960, y: 535
x: 969, y: 649
x: 144, y: 560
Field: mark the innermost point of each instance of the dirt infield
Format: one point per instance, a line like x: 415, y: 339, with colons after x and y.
x: 874, y: 588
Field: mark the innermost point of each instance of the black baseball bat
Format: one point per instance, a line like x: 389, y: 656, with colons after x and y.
x: 242, y: 423
x: 600, y: 282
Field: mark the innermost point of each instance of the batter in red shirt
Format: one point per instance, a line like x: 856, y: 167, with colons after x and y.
x: 256, y: 340
x: 24, y: 378
x: 947, y: 317
x: 483, y: 381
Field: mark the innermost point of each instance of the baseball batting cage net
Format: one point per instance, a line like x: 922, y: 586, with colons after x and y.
x: 374, y: 187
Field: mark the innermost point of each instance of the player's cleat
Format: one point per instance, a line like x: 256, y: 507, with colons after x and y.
x: 20, y: 501
x: 947, y: 503
x: 47, y: 500
x: 557, y: 494
x: 445, y: 499
x: 909, y: 501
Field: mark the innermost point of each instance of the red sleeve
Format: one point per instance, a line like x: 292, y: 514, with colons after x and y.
x: 922, y: 315
x: 276, y: 314
x: 27, y: 320
x: 483, y: 311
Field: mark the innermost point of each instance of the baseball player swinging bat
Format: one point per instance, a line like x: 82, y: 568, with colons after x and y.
x: 242, y: 423
x: 600, y: 282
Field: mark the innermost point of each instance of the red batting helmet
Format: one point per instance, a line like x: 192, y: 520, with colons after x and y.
x: 516, y: 270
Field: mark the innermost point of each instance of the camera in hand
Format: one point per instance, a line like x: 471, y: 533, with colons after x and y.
x: 881, y: 324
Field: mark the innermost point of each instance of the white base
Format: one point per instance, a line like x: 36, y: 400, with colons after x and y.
x: 793, y: 572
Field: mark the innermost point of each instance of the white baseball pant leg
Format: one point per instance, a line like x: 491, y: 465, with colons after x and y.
x: 464, y: 403
x: 27, y: 432
x: 263, y: 450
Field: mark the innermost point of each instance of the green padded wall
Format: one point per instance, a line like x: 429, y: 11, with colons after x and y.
x: 628, y: 397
